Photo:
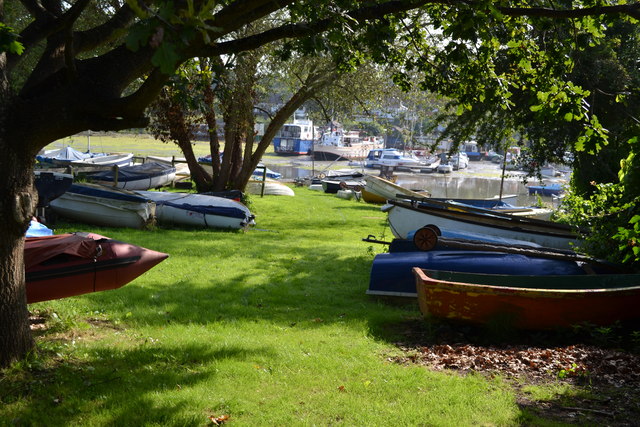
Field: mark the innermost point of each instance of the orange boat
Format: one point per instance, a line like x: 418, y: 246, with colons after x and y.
x: 529, y: 302
x: 66, y: 265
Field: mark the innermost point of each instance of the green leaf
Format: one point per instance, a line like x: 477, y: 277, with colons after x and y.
x: 568, y: 117
x: 535, y: 108
x: 166, y: 58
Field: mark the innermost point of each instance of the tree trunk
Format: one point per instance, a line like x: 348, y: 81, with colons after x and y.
x: 17, y: 206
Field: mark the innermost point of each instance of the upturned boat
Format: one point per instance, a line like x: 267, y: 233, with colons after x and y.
x: 108, y: 206
x: 66, y: 265
x: 529, y: 301
x: 199, y: 210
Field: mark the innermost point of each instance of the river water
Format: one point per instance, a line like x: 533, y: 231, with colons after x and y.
x: 481, y: 180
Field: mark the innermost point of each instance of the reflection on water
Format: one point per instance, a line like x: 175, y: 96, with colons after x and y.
x: 439, y: 185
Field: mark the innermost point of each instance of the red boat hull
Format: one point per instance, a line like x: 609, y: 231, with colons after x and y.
x: 66, y: 265
x: 526, y: 308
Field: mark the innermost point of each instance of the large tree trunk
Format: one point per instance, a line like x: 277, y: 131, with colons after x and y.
x: 17, y: 205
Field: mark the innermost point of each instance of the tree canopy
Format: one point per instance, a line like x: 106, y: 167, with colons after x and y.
x: 67, y: 67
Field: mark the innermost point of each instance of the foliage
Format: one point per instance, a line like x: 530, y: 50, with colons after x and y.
x: 9, y: 40
x: 612, y: 213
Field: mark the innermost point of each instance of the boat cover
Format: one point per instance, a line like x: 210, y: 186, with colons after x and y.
x: 51, y: 185
x: 207, y: 209
x: 96, y: 190
x: 37, y: 229
x: 66, y: 154
x: 135, y: 172
x: 40, y: 249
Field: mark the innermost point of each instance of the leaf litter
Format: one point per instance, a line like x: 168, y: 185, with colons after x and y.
x: 605, y: 377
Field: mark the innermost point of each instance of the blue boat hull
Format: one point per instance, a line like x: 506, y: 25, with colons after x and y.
x: 391, y: 273
x: 292, y: 146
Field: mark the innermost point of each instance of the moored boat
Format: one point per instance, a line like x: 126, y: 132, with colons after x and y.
x: 66, y: 265
x: 554, y: 189
x: 529, y: 302
x: 107, y: 206
x: 199, y: 210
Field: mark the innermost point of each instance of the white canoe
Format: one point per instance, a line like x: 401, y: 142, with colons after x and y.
x: 199, y: 210
x: 106, y: 206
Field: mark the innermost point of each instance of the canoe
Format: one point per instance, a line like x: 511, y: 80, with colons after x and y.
x: 271, y: 188
x: 406, y: 216
x: 106, y: 206
x: 385, y: 189
x: 137, y: 177
x: 66, y: 265
x: 199, y: 210
x: 528, y: 302
x: 391, y: 273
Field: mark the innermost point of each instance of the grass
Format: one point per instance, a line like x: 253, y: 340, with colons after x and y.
x: 270, y: 327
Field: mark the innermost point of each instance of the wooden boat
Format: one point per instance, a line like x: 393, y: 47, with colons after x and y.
x: 66, y: 265
x: 547, y: 189
x: 199, y: 210
x: 406, y: 216
x: 108, y: 206
x: 501, y: 206
x: 384, y: 190
x: 529, y: 302
x: 271, y: 188
x: 391, y: 272
x: 137, y: 177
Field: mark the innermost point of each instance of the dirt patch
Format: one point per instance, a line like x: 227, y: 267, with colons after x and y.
x: 604, y: 380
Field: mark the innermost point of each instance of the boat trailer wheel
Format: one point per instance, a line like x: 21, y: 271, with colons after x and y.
x: 426, y: 238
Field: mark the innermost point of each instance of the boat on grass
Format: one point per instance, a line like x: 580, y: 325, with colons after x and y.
x: 66, y: 265
x: 528, y: 301
x: 51, y: 185
x: 137, y: 177
x: 70, y: 156
x: 199, y: 210
x: 406, y: 216
x: 379, y: 190
x: 271, y: 188
x: 105, y: 206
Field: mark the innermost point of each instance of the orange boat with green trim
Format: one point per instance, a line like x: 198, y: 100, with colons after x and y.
x: 529, y: 302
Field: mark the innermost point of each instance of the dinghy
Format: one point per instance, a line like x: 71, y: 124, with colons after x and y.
x: 66, y: 265
x: 529, y: 301
x: 137, y: 177
x: 107, y: 206
x: 199, y: 210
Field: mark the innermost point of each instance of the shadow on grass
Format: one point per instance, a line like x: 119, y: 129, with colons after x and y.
x: 121, y: 383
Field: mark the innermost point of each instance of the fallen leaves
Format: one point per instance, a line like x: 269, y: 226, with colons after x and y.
x: 216, y: 421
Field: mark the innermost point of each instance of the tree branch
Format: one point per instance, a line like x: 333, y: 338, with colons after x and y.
x: 632, y: 10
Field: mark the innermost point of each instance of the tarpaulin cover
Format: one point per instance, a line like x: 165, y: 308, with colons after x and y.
x: 208, y: 210
x: 106, y: 192
x: 40, y: 249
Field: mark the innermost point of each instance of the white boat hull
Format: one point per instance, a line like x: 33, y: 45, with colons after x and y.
x: 270, y: 188
x: 404, y: 221
x: 104, y: 211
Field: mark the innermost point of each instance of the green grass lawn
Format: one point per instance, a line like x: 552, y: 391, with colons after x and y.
x: 269, y: 327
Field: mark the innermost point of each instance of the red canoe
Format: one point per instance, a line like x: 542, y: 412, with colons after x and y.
x: 65, y: 265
